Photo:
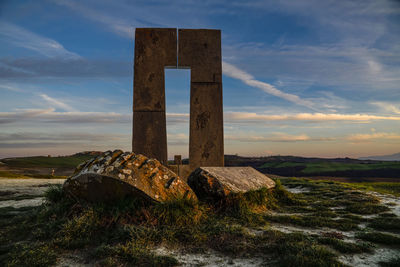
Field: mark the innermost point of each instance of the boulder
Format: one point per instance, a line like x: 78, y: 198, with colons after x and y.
x: 114, y: 175
x: 218, y: 182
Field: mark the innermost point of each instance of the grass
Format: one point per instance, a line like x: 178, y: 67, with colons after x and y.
x: 35, y: 255
x: 127, y: 231
x: 346, y: 247
x: 380, y: 238
x: 380, y: 187
x: 47, y: 162
x: 12, y: 175
x: 395, y: 262
x: 8, y: 174
x: 385, y: 223
x: 310, y: 168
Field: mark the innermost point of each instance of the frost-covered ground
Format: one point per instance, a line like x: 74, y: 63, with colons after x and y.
x: 379, y: 254
x: 18, y: 193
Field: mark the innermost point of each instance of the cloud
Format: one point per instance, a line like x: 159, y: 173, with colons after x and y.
x: 10, y: 117
x: 363, y: 138
x: 9, y: 87
x: 51, y: 116
x: 21, y: 137
x: 233, y: 72
x: 316, y: 117
x: 277, y: 137
x: 57, y: 103
x: 61, y: 67
x: 113, y: 23
x: 390, y: 107
x: 26, y: 39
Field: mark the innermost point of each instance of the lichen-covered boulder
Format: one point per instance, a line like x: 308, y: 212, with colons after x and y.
x: 114, y: 175
x: 218, y: 182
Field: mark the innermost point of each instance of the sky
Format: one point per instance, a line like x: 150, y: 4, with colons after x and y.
x: 307, y: 77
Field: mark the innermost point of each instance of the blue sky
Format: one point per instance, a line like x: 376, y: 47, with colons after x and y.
x: 308, y: 78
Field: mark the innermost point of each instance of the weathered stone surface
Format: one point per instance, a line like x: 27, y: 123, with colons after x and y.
x: 200, y: 50
x: 218, y: 182
x: 206, y: 139
x: 150, y: 135
x: 114, y: 175
x: 155, y: 49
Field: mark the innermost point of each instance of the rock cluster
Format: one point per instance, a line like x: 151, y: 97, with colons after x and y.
x: 113, y: 175
x: 218, y: 182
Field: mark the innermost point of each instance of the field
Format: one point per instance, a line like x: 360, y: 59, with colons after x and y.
x: 41, y: 166
x: 302, y: 222
x: 312, y: 167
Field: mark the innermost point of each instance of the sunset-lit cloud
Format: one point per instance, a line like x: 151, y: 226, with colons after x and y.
x: 277, y: 137
x: 359, y: 138
x: 321, y: 80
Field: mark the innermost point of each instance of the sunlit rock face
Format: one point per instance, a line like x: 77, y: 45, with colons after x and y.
x: 218, y: 182
x: 114, y: 175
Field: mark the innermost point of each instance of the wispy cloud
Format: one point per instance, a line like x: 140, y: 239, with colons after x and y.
x: 21, y: 37
x: 62, y: 137
x: 234, y: 72
x: 57, y: 103
x: 362, y: 138
x: 51, y: 116
x: 117, y: 25
x: 63, y: 67
x: 316, y: 117
x: 10, y: 87
x: 387, y: 106
x: 277, y: 137
x: 10, y: 117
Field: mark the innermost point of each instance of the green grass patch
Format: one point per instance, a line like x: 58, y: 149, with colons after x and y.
x: 379, y: 238
x: 35, y: 255
x: 395, y: 262
x: 126, y: 232
x: 310, y: 168
x: 346, y: 247
x: 8, y: 174
x: 380, y: 187
x: 314, y: 221
x: 47, y: 162
x: 385, y: 223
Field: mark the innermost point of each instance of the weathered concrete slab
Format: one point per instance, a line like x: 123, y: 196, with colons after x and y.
x: 150, y: 135
x: 155, y: 49
x: 218, y: 182
x: 200, y: 49
x: 114, y: 175
x: 206, y: 139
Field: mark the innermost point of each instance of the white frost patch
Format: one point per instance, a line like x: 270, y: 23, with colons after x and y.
x: 298, y: 189
x: 209, y: 259
x: 28, y: 187
x: 71, y: 260
x: 22, y: 203
x: 34, y: 187
x: 380, y: 254
x: 388, y: 200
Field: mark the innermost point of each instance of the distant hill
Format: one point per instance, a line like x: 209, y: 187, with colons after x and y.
x: 315, y: 167
x: 393, y: 157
